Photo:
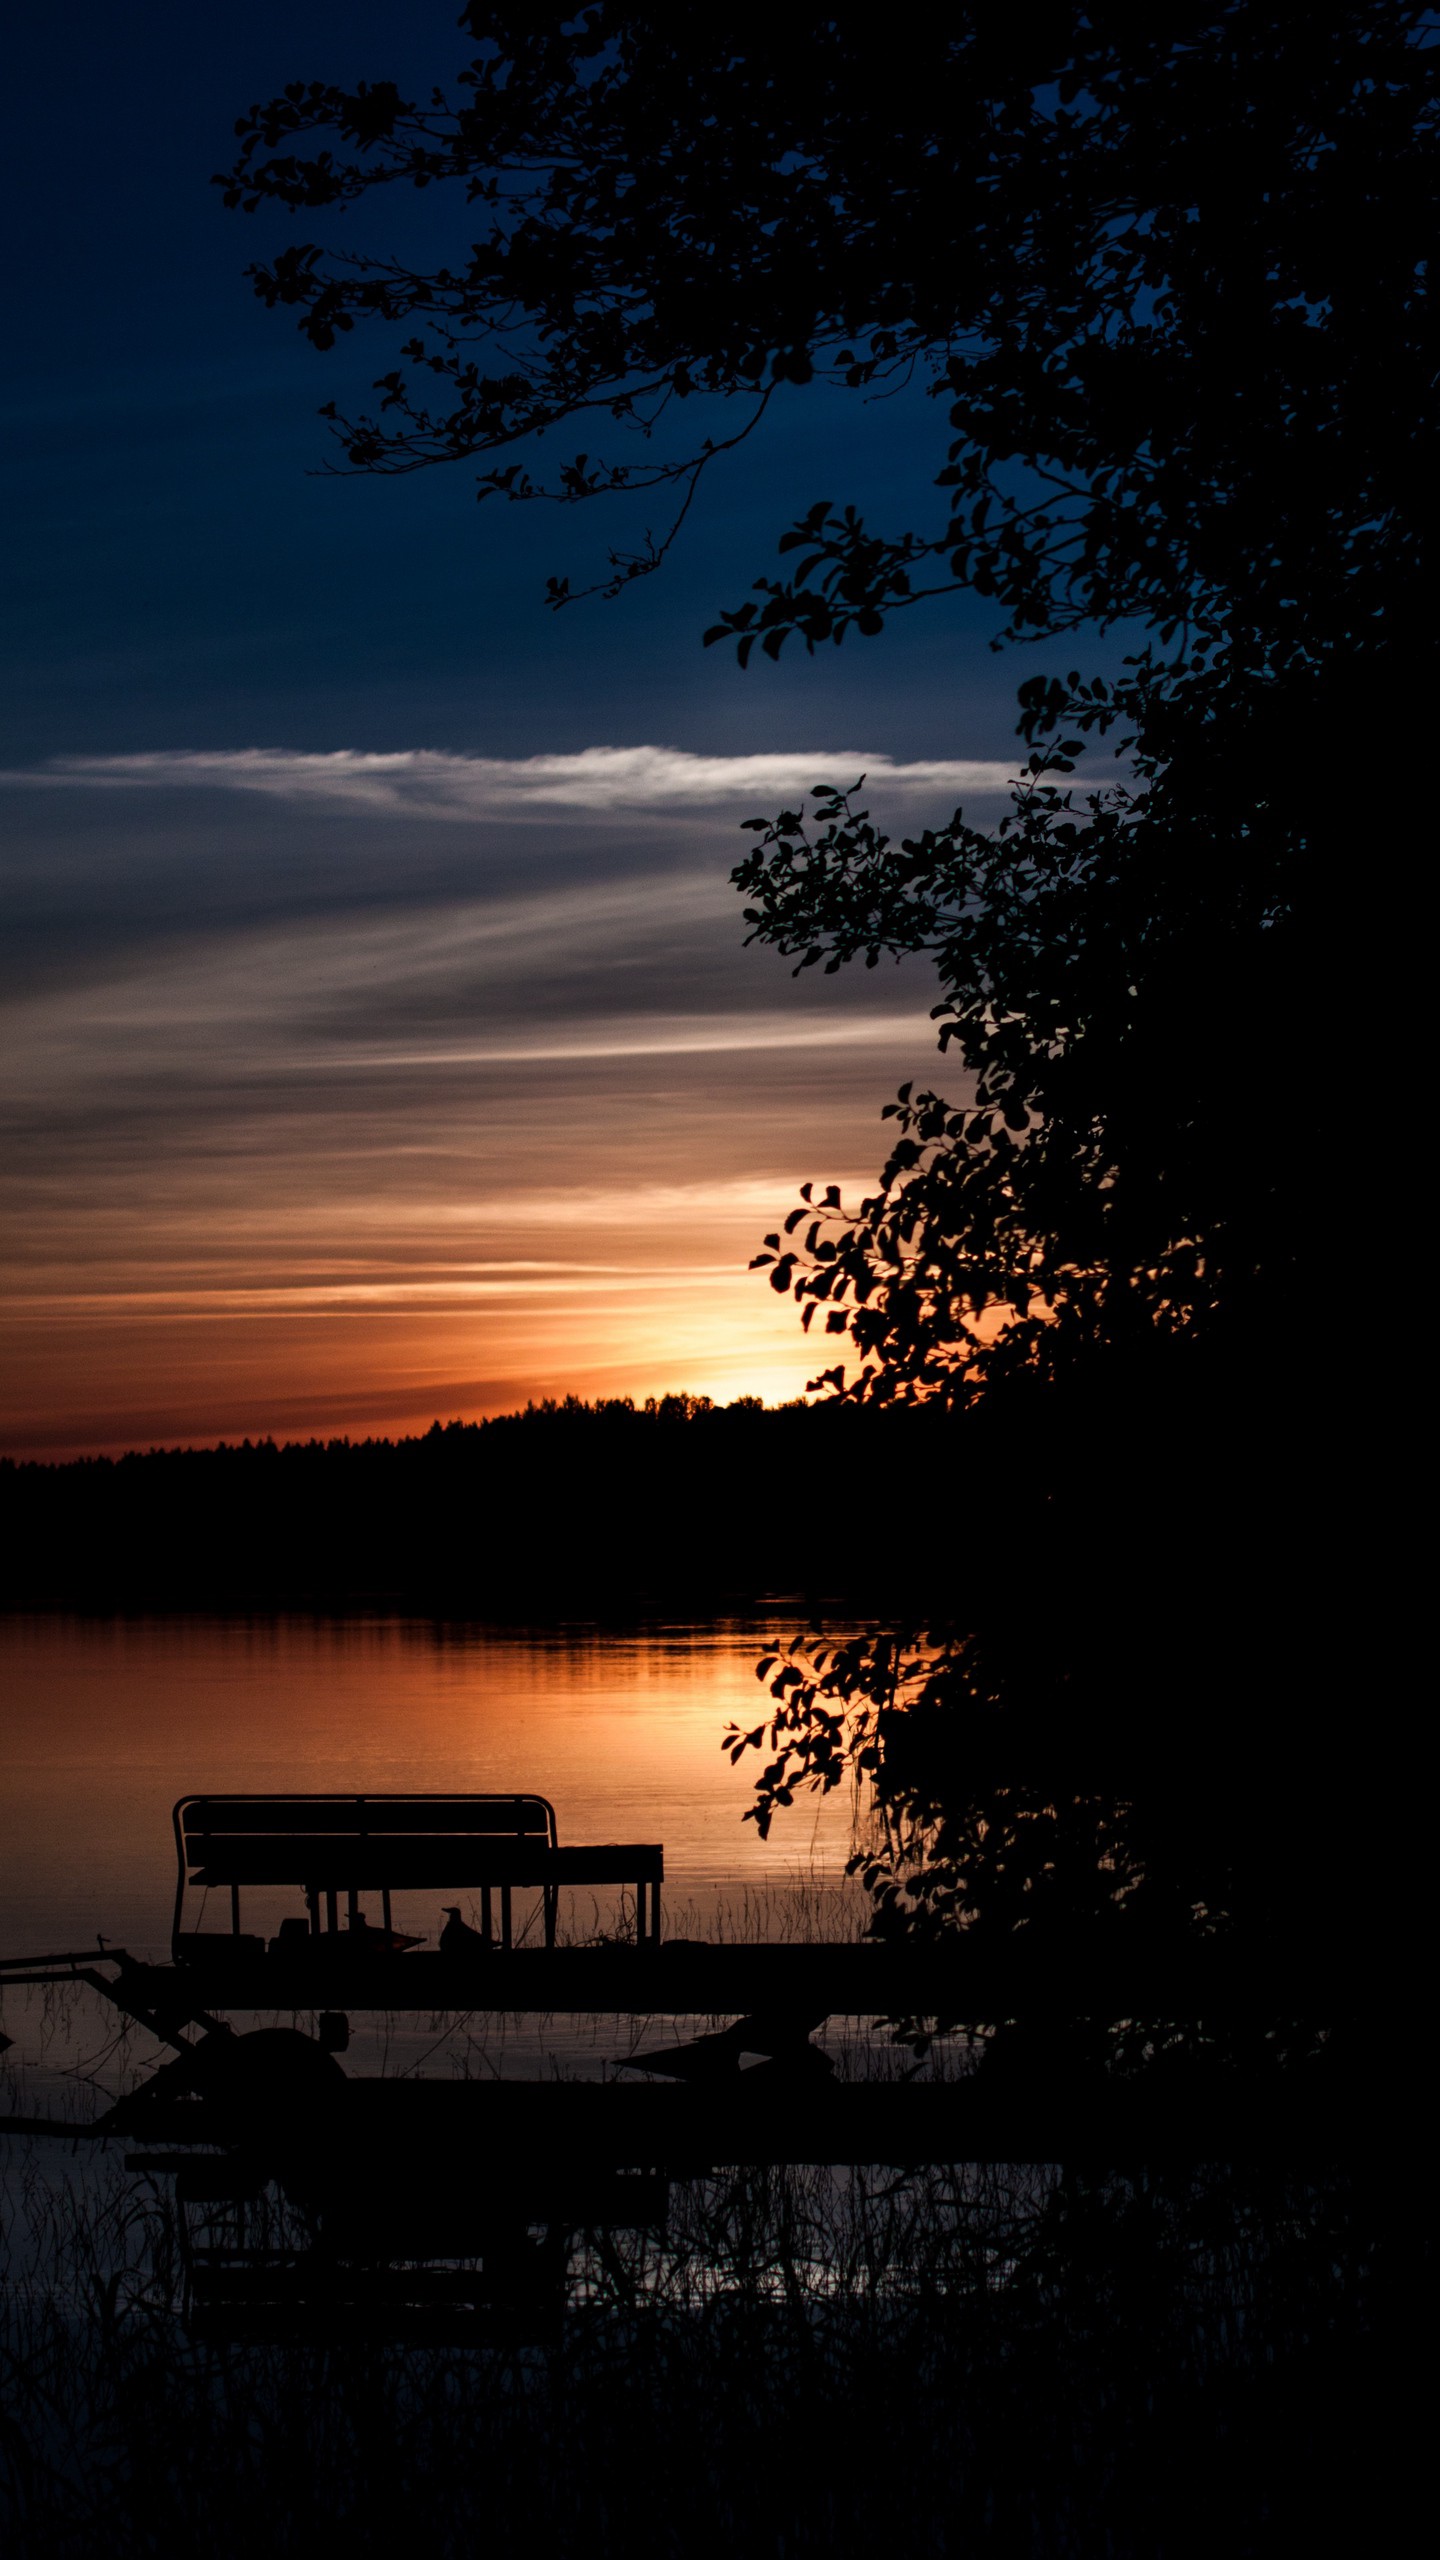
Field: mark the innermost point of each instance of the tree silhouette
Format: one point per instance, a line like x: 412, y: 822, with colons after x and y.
x: 1147, y: 271
x: 1168, y: 280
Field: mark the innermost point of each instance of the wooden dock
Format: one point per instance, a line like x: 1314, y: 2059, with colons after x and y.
x: 542, y: 2135
x: 954, y: 1980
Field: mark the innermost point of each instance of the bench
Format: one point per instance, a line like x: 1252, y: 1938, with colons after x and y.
x: 332, y: 1847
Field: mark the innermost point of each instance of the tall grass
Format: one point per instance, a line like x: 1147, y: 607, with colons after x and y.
x: 797, y: 2362
x: 792, y: 2361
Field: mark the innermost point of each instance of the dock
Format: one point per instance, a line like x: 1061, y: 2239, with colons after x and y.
x: 961, y: 1982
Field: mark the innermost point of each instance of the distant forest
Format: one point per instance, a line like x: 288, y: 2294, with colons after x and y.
x: 567, y: 1507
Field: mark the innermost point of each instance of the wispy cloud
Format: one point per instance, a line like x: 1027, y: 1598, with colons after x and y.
x: 424, y: 782
x: 609, y: 969
x: 315, y: 1108
x: 725, y: 1035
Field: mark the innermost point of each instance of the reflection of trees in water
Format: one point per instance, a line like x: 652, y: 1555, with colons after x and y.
x: 798, y: 2355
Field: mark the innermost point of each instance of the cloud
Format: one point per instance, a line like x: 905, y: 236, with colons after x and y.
x: 422, y: 782
x: 315, y: 1108
x: 597, y: 969
x: 723, y: 1035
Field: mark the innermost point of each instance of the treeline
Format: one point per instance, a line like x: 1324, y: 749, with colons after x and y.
x: 567, y: 1506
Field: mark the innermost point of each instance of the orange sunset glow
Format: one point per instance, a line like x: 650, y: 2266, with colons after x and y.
x: 407, y: 1095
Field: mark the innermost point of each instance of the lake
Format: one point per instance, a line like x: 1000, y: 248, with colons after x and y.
x: 103, y: 1723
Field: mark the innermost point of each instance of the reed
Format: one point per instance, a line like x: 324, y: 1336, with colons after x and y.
x: 795, y: 2361
x: 789, y: 2361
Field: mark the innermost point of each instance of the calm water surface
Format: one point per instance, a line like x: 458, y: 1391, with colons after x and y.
x: 103, y: 1725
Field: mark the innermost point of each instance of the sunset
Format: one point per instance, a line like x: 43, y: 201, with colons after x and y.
x: 380, y: 1040
x: 704, y: 979
x: 411, y: 1086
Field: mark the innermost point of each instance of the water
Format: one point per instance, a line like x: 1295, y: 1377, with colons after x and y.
x: 104, y: 1723
x: 868, y: 2306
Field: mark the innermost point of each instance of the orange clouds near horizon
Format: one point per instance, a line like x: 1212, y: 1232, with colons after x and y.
x: 382, y: 1334
x: 341, y: 1119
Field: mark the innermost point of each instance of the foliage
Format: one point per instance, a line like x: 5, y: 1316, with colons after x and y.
x: 1167, y: 277
x: 1138, y: 258
x: 1098, y: 1186
x: 1143, y: 265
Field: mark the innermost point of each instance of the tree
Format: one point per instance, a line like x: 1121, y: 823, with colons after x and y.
x: 1168, y: 280
x: 1146, y: 269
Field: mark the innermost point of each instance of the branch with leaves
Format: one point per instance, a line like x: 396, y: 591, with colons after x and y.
x: 1136, y: 262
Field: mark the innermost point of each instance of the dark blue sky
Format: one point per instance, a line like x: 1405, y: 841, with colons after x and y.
x: 176, y: 578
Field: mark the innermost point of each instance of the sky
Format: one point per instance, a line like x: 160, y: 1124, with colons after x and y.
x: 380, y: 1043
